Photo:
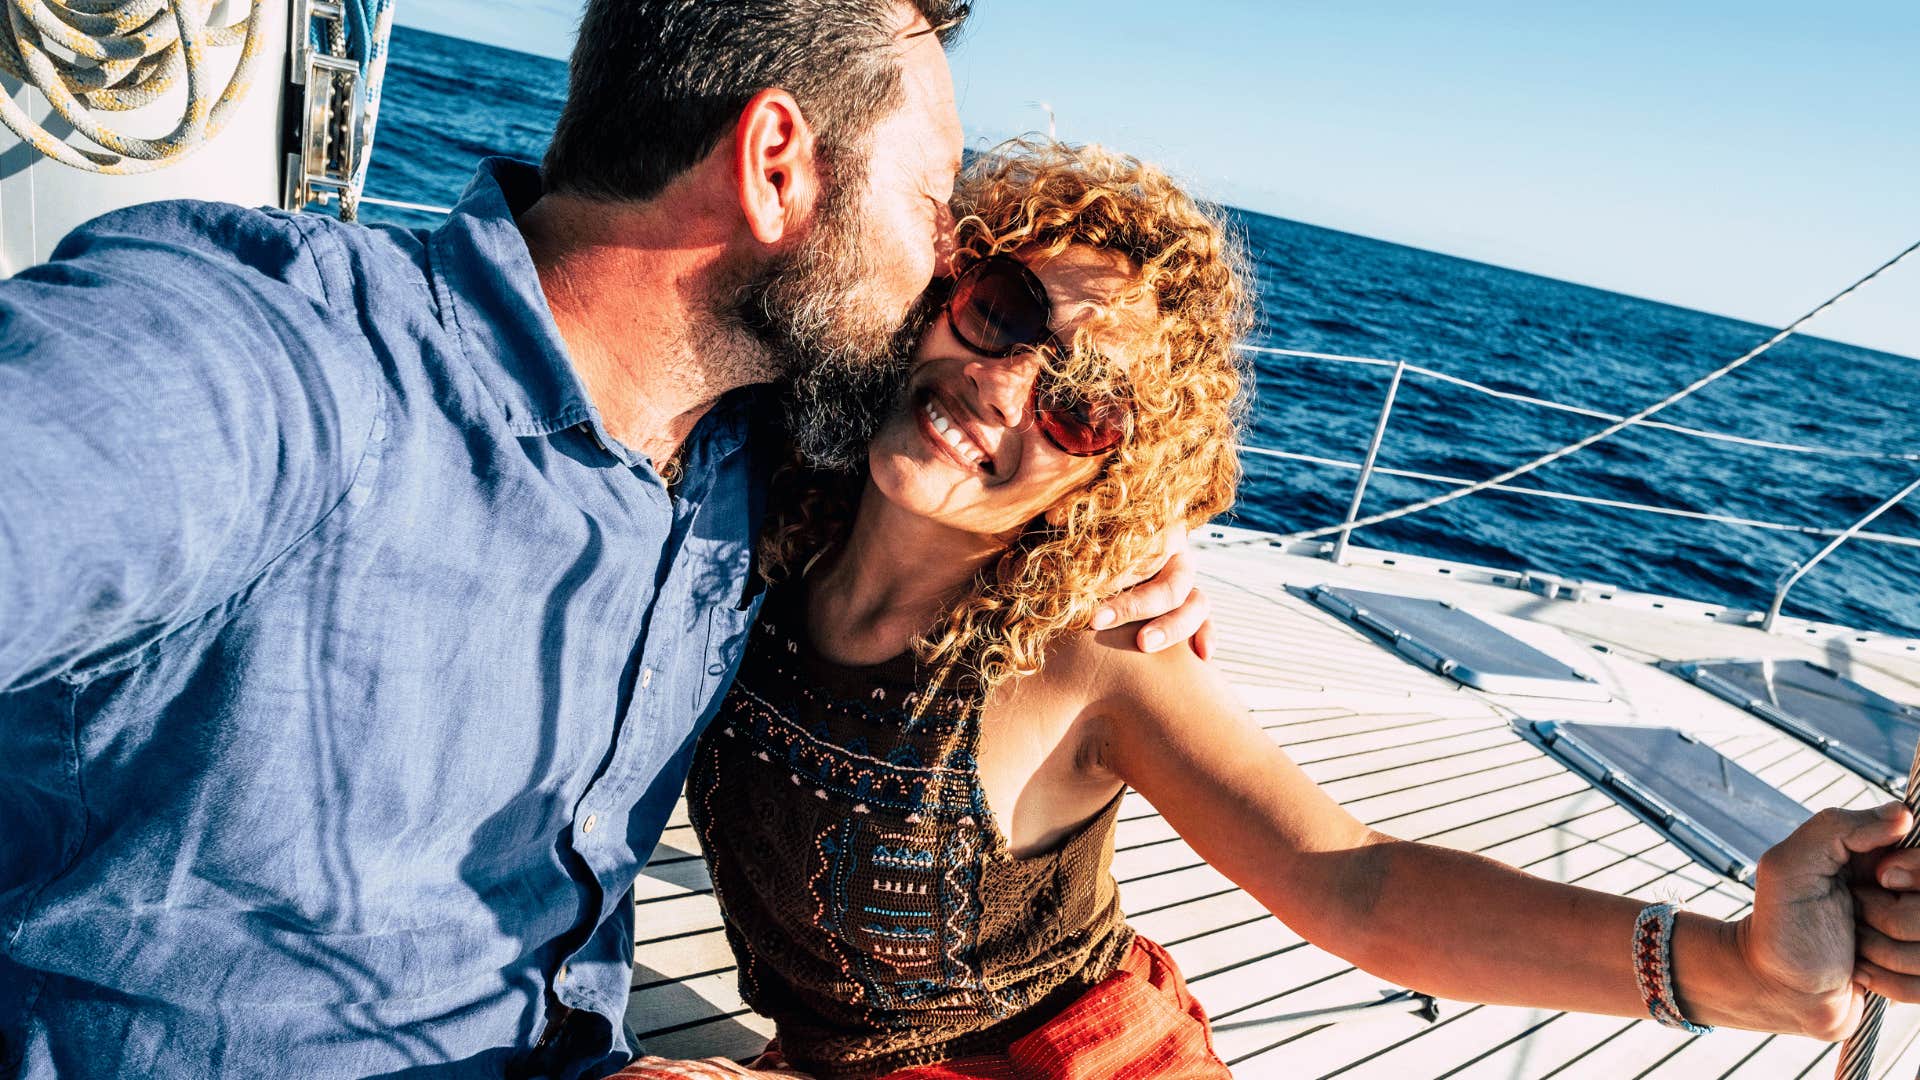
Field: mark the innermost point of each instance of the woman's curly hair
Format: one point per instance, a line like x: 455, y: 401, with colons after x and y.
x: 1177, y: 463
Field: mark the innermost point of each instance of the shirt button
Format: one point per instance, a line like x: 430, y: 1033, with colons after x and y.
x: 646, y: 678
x: 587, y: 825
x: 562, y: 977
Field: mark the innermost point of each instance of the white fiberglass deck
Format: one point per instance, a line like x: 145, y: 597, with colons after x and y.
x: 1417, y: 756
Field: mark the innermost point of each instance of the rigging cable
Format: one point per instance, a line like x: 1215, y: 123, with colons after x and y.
x: 1611, y: 429
x: 1856, y: 1054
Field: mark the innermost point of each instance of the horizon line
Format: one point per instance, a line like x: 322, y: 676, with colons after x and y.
x: 1881, y: 350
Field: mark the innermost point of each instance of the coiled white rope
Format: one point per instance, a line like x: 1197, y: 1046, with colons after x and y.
x: 103, y: 56
x: 1613, y: 428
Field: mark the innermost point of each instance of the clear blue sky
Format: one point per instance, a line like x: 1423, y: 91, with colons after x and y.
x: 1746, y: 157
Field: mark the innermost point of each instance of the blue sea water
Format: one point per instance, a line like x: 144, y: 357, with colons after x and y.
x: 449, y: 102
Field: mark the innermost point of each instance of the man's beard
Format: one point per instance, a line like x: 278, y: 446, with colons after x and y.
x: 835, y: 408
x: 845, y: 356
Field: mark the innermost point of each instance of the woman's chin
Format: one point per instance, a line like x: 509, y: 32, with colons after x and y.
x: 905, y: 449
x: 925, y: 487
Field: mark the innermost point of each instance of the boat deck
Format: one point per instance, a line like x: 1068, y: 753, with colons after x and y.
x: 1418, y: 756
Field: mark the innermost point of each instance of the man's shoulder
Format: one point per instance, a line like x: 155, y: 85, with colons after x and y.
x: 214, y: 234
x: 198, y: 238
x: 205, y: 302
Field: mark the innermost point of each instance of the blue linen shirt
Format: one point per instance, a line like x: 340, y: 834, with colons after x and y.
x: 349, y: 669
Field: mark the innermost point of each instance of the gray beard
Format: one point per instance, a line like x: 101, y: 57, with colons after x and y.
x: 835, y: 407
x: 812, y: 318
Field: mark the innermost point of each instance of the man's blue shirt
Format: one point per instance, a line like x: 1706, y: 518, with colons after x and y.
x: 348, y: 667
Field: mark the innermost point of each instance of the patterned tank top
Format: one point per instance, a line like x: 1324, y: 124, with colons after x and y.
x: 875, y: 910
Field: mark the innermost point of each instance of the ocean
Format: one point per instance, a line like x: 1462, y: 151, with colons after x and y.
x: 449, y: 102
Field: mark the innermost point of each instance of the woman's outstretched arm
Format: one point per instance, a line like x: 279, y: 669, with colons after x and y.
x: 1463, y: 926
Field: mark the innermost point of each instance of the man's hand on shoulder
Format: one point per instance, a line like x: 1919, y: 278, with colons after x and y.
x: 1162, y: 605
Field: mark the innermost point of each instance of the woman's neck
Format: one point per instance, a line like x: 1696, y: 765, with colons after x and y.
x: 891, y: 581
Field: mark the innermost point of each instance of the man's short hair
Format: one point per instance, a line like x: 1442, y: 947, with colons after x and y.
x: 654, y: 85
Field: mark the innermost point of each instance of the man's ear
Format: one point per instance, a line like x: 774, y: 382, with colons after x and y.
x: 776, y: 167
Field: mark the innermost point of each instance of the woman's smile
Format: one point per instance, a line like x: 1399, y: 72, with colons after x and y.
x: 940, y: 428
x: 976, y: 412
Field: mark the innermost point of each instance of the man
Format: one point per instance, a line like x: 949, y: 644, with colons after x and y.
x: 361, y: 591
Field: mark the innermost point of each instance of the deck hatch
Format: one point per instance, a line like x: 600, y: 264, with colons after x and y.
x: 1444, y: 639
x: 1721, y: 814
x: 1871, y: 734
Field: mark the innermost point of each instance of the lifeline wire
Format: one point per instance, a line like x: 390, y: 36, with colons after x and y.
x: 1610, y: 429
x: 1595, y: 414
x: 125, y: 54
x: 1568, y: 496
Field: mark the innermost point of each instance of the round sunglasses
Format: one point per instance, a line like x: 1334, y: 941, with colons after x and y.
x: 997, y: 307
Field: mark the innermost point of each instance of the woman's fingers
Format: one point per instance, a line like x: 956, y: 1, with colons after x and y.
x: 1891, y: 985
x: 1167, y: 599
x: 1898, y: 869
x: 1203, y: 641
x: 1895, y: 915
x: 1901, y: 957
x: 1182, y: 623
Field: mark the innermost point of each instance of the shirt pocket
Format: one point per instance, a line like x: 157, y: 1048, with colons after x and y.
x: 726, y: 642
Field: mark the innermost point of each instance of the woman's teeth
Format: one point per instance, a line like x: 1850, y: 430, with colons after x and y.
x: 950, y: 431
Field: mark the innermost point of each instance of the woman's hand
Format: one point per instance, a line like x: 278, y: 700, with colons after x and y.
x: 1462, y: 926
x: 1888, y: 900
x: 1801, y: 943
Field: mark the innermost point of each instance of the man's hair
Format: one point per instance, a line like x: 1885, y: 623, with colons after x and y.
x: 655, y: 85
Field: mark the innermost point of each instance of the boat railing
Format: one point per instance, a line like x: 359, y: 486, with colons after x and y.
x: 1799, y: 570
x: 1368, y: 466
x: 402, y: 204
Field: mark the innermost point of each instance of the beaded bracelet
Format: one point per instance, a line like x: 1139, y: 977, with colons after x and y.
x: 1653, y: 967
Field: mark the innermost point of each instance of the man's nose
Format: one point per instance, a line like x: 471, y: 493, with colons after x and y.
x: 1005, y: 386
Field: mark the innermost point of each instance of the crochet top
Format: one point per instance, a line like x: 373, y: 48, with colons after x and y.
x: 875, y: 910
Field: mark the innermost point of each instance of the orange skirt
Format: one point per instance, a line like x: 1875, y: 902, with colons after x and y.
x: 1140, y: 1022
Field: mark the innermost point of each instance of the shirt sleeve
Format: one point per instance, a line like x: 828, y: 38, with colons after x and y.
x: 177, y: 410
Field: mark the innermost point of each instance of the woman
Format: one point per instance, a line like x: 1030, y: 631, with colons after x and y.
x: 908, y: 815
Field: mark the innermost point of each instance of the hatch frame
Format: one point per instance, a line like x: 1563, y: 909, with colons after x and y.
x: 1408, y: 639
x: 1886, y: 775
x: 1561, y: 740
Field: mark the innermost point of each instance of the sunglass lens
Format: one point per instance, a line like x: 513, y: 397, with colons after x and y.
x: 1082, y: 429
x: 995, y: 311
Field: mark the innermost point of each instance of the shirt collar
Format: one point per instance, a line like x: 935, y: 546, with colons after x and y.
x: 485, y: 280
x: 486, y: 284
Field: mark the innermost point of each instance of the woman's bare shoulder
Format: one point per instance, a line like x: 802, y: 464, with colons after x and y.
x: 1107, y: 669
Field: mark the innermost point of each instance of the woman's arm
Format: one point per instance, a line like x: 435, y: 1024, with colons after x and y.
x: 1459, y: 925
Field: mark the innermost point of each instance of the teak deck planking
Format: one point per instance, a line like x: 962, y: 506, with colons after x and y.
x: 1417, y: 756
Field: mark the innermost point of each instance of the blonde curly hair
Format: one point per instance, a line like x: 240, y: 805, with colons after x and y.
x: 1177, y: 463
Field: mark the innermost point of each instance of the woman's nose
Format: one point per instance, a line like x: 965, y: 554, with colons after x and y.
x: 1005, y: 386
